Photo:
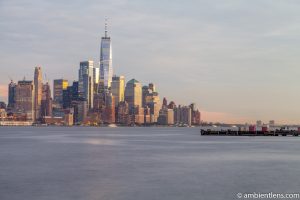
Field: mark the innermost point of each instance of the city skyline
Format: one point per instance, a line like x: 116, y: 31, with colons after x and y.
x: 246, y: 87
x: 93, y: 100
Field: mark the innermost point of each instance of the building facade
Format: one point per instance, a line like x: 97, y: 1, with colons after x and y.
x: 24, y: 99
x: 11, y: 95
x: 123, y: 113
x: 109, y: 111
x: 86, y: 82
x: 46, y: 104
x: 166, y: 116
x: 70, y: 94
x: 133, y: 94
x: 38, y: 89
x: 118, y: 88
x: 106, y: 69
x: 151, y: 100
x: 58, y: 86
x: 183, y: 115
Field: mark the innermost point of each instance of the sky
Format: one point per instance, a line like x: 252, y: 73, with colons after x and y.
x: 238, y: 60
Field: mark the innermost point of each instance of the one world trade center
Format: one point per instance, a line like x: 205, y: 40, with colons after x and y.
x: 106, y: 70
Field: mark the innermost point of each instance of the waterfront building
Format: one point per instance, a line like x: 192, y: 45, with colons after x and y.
x: 2, y: 105
x: 196, y: 115
x: 86, y: 82
x: 259, y: 123
x: 170, y: 117
x: 133, y: 94
x: 137, y: 116
x: 118, y: 88
x: 11, y: 95
x: 3, y: 114
x: 166, y: 116
x: 80, y: 110
x: 272, y: 123
x: 183, y: 115
x: 92, y: 118
x: 99, y: 102
x: 15, y: 123
x: 151, y: 99
x: 46, y: 103
x: 106, y: 69
x: 162, y: 118
x: 24, y: 99
x: 58, y: 86
x: 109, y: 111
x: 123, y: 113
x: 58, y: 121
x: 70, y: 94
x: 38, y: 88
x: 69, y: 117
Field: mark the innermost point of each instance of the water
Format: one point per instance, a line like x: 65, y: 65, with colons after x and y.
x: 60, y: 163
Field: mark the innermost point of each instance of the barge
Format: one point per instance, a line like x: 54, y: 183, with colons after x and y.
x: 249, y: 133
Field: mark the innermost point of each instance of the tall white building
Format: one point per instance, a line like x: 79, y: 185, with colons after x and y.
x: 106, y: 69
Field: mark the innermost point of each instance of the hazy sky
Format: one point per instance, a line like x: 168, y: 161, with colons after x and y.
x: 238, y: 60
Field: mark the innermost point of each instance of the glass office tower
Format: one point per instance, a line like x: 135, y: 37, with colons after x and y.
x: 86, y: 82
x: 106, y: 70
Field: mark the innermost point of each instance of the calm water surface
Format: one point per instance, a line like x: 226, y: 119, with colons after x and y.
x: 60, y: 163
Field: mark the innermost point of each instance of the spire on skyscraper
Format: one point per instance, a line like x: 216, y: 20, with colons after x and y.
x: 105, y: 27
x: 106, y: 70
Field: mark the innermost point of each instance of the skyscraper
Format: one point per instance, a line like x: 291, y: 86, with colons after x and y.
x: 123, y: 113
x: 118, y: 88
x: 46, y: 106
x: 165, y: 102
x: 196, y: 115
x: 58, y: 86
x: 166, y: 116
x: 70, y: 94
x: 11, y: 95
x: 109, y: 112
x: 151, y: 100
x: 183, y: 115
x: 106, y: 69
x: 86, y: 82
x: 38, y: 88
x: 25, y: 99
x: 133, y: 94
x: 96, y: 74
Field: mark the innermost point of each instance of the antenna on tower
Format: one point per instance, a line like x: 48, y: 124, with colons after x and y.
x: 105, y: 26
